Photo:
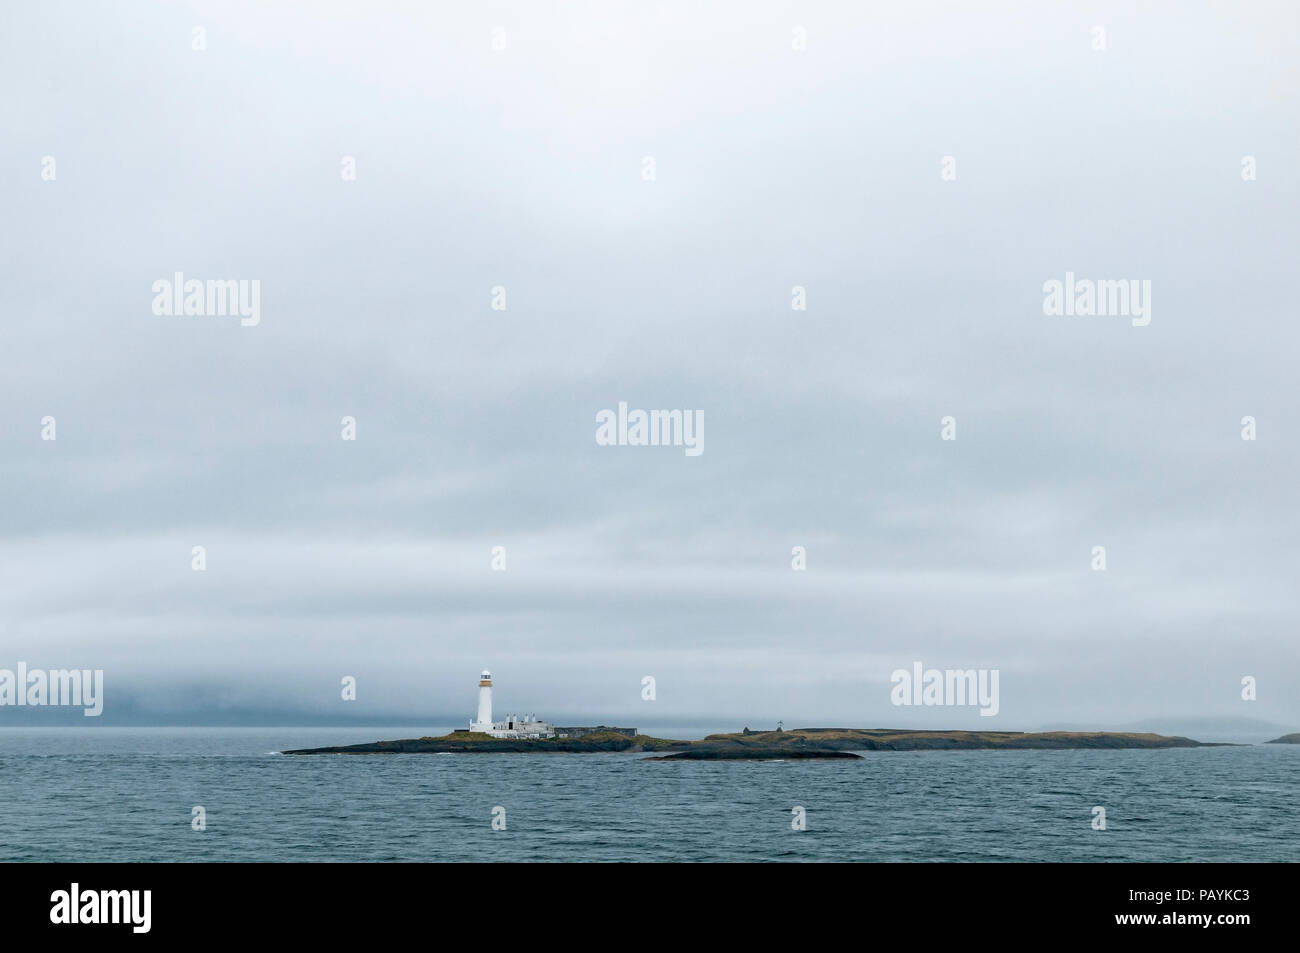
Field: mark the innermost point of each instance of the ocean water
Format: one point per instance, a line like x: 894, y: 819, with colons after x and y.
x: 126, y: 794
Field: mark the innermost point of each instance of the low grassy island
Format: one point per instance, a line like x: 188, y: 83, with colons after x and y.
x: 797, y: 743
x: 473, y: 742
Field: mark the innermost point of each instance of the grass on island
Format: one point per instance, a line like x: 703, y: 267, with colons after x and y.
x: 595, y: 737
x: 841, y: 738
x: 840, y: 735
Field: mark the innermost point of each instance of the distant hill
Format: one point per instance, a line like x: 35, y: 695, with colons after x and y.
x: 1231, y: 729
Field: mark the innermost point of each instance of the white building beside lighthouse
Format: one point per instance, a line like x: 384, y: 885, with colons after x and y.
x: 514, y: 726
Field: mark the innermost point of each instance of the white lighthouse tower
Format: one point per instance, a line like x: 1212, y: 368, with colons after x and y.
x: 484, y: 720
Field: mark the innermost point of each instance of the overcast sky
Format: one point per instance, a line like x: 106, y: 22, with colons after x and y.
x: 774, y: 167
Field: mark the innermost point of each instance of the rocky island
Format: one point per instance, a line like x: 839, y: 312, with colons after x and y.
x: 798, y: 743
x: 1291, y: 739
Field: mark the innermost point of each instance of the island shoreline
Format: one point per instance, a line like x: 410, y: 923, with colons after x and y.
x: 797, y: 743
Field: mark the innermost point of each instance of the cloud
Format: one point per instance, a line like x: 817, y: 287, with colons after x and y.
x: 476, y: 427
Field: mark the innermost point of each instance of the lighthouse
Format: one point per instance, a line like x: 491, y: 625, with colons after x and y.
x: 484, y: 720
x: 515, y: 726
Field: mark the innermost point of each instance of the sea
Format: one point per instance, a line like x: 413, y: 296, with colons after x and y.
x: 131, y: 794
